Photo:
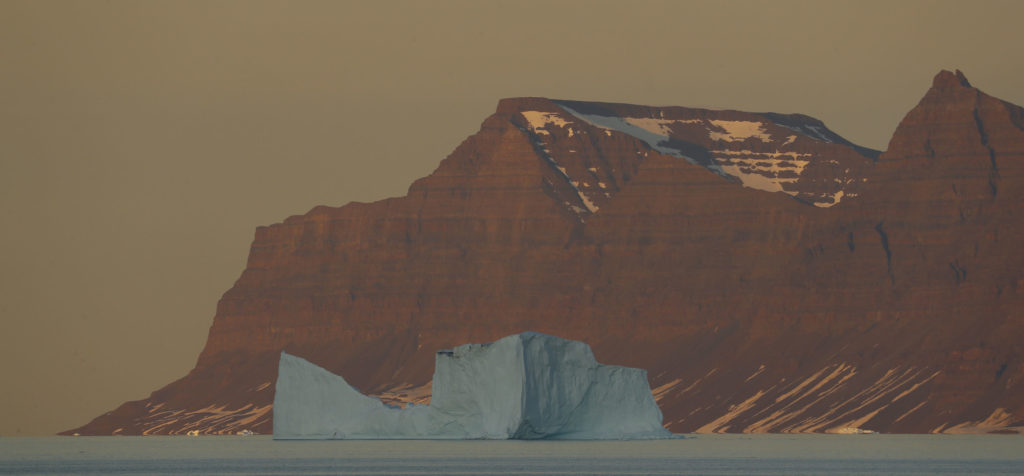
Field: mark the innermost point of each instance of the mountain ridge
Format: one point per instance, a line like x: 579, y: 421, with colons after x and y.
x: 648, y: 233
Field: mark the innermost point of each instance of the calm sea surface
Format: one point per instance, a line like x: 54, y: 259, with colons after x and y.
x: 701, y: 454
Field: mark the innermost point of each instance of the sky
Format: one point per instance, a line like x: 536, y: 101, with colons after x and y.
x: 141, y: 143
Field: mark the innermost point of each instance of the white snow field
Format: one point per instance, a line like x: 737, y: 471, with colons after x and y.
x: 524, y: 386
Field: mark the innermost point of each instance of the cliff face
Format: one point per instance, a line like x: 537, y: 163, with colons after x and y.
x: 770, y: 275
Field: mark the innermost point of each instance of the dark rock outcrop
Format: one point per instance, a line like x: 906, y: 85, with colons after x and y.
x: 875, y: 291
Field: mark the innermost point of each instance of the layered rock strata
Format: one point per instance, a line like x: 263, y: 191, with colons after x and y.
x: 769, y: 275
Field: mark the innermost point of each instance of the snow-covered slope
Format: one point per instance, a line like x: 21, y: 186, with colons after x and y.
x: 790, y: 153
x: 524, y: 386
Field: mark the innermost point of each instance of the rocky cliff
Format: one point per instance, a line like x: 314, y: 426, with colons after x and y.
x: 769, y: 275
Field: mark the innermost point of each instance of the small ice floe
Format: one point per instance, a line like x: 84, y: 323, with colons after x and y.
x: 849, y: 430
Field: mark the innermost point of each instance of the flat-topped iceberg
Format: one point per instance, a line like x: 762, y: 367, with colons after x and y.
x: 524, y: 386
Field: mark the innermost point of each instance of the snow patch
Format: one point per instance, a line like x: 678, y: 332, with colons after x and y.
x: 720, y: 424
x: 754, y: 180
x: 545, y: 153
x: 538, y: 121
x: 652, y: 133
x: 912, y: 410
x: 756, y: 373
x: 660, y: 127
x: 836, y: 197
x: 663, y: 390
x: 212, y: 419
x: 405, y: 394
x: 814, y: 132
x: 767, y: 155
x: 774, y: 171
x: 587, y: 202
x: 575, y: 186
x: 818, y: 133
x: 762, y: 170
x: 739, y: 131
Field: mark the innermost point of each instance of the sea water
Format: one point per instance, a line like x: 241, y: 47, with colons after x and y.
x: 697, y: 454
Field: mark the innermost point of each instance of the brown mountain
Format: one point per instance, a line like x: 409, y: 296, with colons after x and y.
x: 770, y: 275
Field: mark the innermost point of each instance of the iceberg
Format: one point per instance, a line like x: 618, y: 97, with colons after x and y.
x: 524, y: 386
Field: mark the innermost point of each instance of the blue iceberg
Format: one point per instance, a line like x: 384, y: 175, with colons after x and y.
x: 524, y: 386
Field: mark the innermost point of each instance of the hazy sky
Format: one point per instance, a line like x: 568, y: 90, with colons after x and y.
x: 141, y: 142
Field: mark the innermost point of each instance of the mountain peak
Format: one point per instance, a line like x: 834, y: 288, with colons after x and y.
x: 946, y: 79
x: 953, y: 118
